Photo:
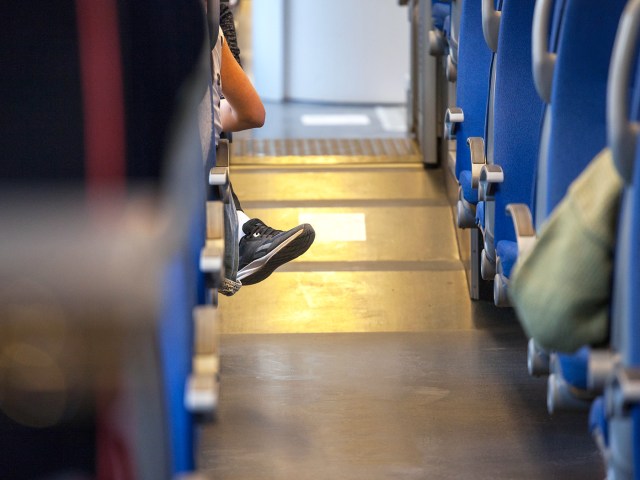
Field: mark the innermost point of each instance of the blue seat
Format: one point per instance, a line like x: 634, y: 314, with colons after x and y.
x: 576, y: 132
x: 474, y: 60
x: 439, y: 13
x: 623, y: 116
x: 598, y: 425
x: 567, y: 385
x: 578, y: 123
x: 514, y: 62
x: 156, y: 41
x: 511, y: 131
x: 154, y: 122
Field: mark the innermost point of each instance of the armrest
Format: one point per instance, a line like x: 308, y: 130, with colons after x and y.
x: 437, y: 43
x: 211, y: 257
x: 201, y: 392
x: 215, y: 220
x: 490, y: 176
x: 623, y: 390
x: 452, y: 117
x: 219, y: 175
x: 478, y: 160
x: 602, y: 364
x: 523, y: 224
x: 212, y: 254
x: 223, y: 153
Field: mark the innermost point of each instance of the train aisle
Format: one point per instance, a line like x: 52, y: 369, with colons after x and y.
x: 365, y: 358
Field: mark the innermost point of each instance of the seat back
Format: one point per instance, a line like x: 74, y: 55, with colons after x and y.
x: 544, y: 53
x: 578, y: 112
x: 623, y: 120
x: 624, y: 423
x: 173, y: 33
x: 41, y: 93
x: 578, y: 118
x: 517, y: 114
x: 474, y: 59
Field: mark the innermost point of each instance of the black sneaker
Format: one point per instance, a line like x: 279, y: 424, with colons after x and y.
x: 263, y: 249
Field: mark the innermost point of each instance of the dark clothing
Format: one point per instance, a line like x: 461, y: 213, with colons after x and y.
x: 229, y: 29
x: 236, y: 200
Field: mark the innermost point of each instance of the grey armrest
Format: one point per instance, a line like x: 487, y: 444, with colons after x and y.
x: 211, y: 257
x: 212, y: 254
x: 523, y: 224
x: 478, y: 159
x: 602, y: 364
x: 215, y: 220
x: 490, y: 176
x: 623, y: 390
x: 490, y: 24
x: 452, y: 117
x: 219, y: 175
x: 201, y: 392
x: 437, y: 43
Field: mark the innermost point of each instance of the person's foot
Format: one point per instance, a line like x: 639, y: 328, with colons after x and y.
x: 263, y: 249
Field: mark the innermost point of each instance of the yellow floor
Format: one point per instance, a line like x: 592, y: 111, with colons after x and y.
x: 385, y: 256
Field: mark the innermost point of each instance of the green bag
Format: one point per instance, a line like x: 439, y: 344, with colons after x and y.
x: 561, y: 289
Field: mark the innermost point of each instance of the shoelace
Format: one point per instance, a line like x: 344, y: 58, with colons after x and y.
x: 260, y: 229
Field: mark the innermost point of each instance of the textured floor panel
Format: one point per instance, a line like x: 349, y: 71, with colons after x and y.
x: 325, y: 151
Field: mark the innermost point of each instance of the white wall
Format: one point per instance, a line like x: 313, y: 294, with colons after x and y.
x: 331, y: 50
x: 268, y: 48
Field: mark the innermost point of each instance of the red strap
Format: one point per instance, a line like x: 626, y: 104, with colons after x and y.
x: 102, y: 92
x: 114, y: 458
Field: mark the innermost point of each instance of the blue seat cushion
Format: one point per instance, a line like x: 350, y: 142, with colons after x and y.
x: 440, y: 11
x: 507, y: 251
x: 574, y: 367
x: 480, y: 214
x: 469, y: 193
x: 598, y: 419
x: 446, y: 27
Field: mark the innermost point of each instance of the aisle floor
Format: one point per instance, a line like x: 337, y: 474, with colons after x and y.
x: 365, y: 358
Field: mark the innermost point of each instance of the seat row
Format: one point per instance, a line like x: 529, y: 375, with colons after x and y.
x: 541, y: 88
x: 112, y: 238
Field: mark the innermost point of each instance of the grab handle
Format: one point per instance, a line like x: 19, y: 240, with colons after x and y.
x: 543, y: 60
x: 490, y: 24
x: 622, y: 132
